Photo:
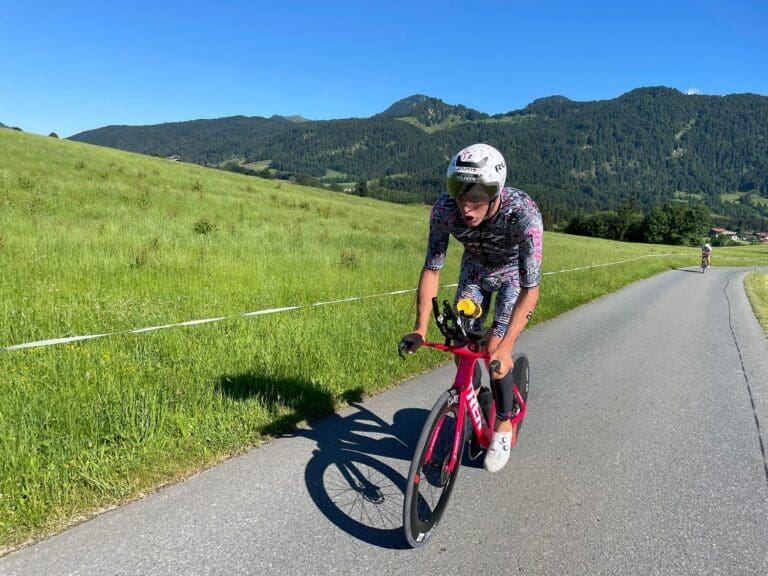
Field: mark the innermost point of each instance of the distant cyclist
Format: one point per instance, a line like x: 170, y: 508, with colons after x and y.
x: 501, y: 230
x: 706, y: 254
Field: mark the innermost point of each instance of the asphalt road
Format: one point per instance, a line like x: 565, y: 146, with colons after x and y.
x: 644, y: 452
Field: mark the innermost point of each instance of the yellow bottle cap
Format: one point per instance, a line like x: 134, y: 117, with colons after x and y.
x: 467, y: 308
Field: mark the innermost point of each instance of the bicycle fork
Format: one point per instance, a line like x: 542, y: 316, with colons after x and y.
x: 467, y: 403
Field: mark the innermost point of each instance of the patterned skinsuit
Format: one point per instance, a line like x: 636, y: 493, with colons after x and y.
x: 501, y: 255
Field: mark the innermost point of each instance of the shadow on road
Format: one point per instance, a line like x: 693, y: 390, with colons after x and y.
x: 349, y: 482
x: 346, y: 477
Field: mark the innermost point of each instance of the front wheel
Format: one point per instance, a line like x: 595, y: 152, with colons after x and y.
x: 430, y: 483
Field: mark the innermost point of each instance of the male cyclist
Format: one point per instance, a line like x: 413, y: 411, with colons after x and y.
x: 706, y: 254
x: 501, y: 230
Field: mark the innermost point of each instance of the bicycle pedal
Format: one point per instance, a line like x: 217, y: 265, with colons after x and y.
x: 475, y: 450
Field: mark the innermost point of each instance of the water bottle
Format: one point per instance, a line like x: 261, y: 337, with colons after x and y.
x: 468, y: 308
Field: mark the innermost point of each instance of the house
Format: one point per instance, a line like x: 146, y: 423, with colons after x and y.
x: 717, y: 232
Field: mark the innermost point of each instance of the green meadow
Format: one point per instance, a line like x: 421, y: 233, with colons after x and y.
x: 735, y: 197
x: 97, y: 241
x: 756, y: 286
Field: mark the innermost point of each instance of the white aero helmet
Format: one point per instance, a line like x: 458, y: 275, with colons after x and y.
x: 479, y: 171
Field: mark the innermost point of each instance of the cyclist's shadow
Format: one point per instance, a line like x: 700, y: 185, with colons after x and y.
x: 347, y: 478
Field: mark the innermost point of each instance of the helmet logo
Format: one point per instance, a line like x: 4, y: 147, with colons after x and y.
x: 466, y: 163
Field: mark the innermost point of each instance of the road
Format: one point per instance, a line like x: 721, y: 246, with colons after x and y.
x: 644, y: 452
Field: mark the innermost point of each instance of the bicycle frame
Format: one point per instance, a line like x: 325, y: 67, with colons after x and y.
x: 468, y: 403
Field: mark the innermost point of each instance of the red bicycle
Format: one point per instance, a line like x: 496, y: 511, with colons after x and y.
x: 439, y: 450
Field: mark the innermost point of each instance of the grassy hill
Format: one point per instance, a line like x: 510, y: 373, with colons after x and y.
x: 95, y: 240
x: 651, y: 145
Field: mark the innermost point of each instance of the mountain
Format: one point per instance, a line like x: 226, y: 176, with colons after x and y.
x: 294, y: 118
x: 550, y: 107
x: 651, y: 145
x: 427, y: 112
x: 3, y: 125
x: 206, y: 142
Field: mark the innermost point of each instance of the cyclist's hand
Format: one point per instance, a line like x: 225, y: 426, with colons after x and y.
x: 505, y: 363
x: 410, y: 343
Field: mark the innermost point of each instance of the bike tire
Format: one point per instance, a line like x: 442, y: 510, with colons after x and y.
x: 522, y: 375
x: 429, y: 487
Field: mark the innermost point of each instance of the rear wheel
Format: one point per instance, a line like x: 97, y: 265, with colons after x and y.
x: 522, y: 375
x: 430, y: 484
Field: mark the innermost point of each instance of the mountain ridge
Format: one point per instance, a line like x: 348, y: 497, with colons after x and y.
x: 651, y: 144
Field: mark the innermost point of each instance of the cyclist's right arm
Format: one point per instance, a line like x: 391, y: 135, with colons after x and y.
x: 429, y: 283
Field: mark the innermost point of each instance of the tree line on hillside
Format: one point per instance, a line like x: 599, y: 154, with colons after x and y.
x: 649, y: 145
x: 672, y: 223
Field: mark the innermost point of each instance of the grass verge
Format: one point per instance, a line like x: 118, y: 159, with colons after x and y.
x: 756, y: 285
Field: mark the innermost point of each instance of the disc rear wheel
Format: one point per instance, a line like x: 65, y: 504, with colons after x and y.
x: 522, y: 376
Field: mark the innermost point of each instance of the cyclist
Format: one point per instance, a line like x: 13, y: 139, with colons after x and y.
x: 501, y: 230
x: 706, y: 253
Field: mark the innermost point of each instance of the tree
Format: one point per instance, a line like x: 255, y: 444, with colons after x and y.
x: 676, y: 223
x: 629, y: 219
x: 361, y: 189
x: 53, y: 135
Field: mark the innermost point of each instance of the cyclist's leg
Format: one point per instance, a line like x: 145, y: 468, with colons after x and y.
x: 504, y: 394
x: 504, y: 434
x: 469, y: 288
x: 503, y: 387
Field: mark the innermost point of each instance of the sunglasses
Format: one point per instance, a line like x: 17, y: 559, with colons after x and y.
x: 474, y: 192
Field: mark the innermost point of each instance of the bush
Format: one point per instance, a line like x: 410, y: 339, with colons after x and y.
x: 204, y: 226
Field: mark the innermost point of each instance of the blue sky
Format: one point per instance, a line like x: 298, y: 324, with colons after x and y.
x: 69, y: 66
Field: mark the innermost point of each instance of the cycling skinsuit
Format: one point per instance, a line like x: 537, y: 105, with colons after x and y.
x: 503, y: 254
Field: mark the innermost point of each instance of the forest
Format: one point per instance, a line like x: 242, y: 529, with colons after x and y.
x: 651, y: 146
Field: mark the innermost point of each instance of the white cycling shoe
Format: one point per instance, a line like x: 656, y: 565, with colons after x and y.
x: 498, y: 453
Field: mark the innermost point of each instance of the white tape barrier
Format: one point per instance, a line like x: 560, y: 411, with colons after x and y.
x: 611, y: 263
x: 56, y: 341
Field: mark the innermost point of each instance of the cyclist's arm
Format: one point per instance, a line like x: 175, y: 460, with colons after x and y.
x: 429, y: 283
